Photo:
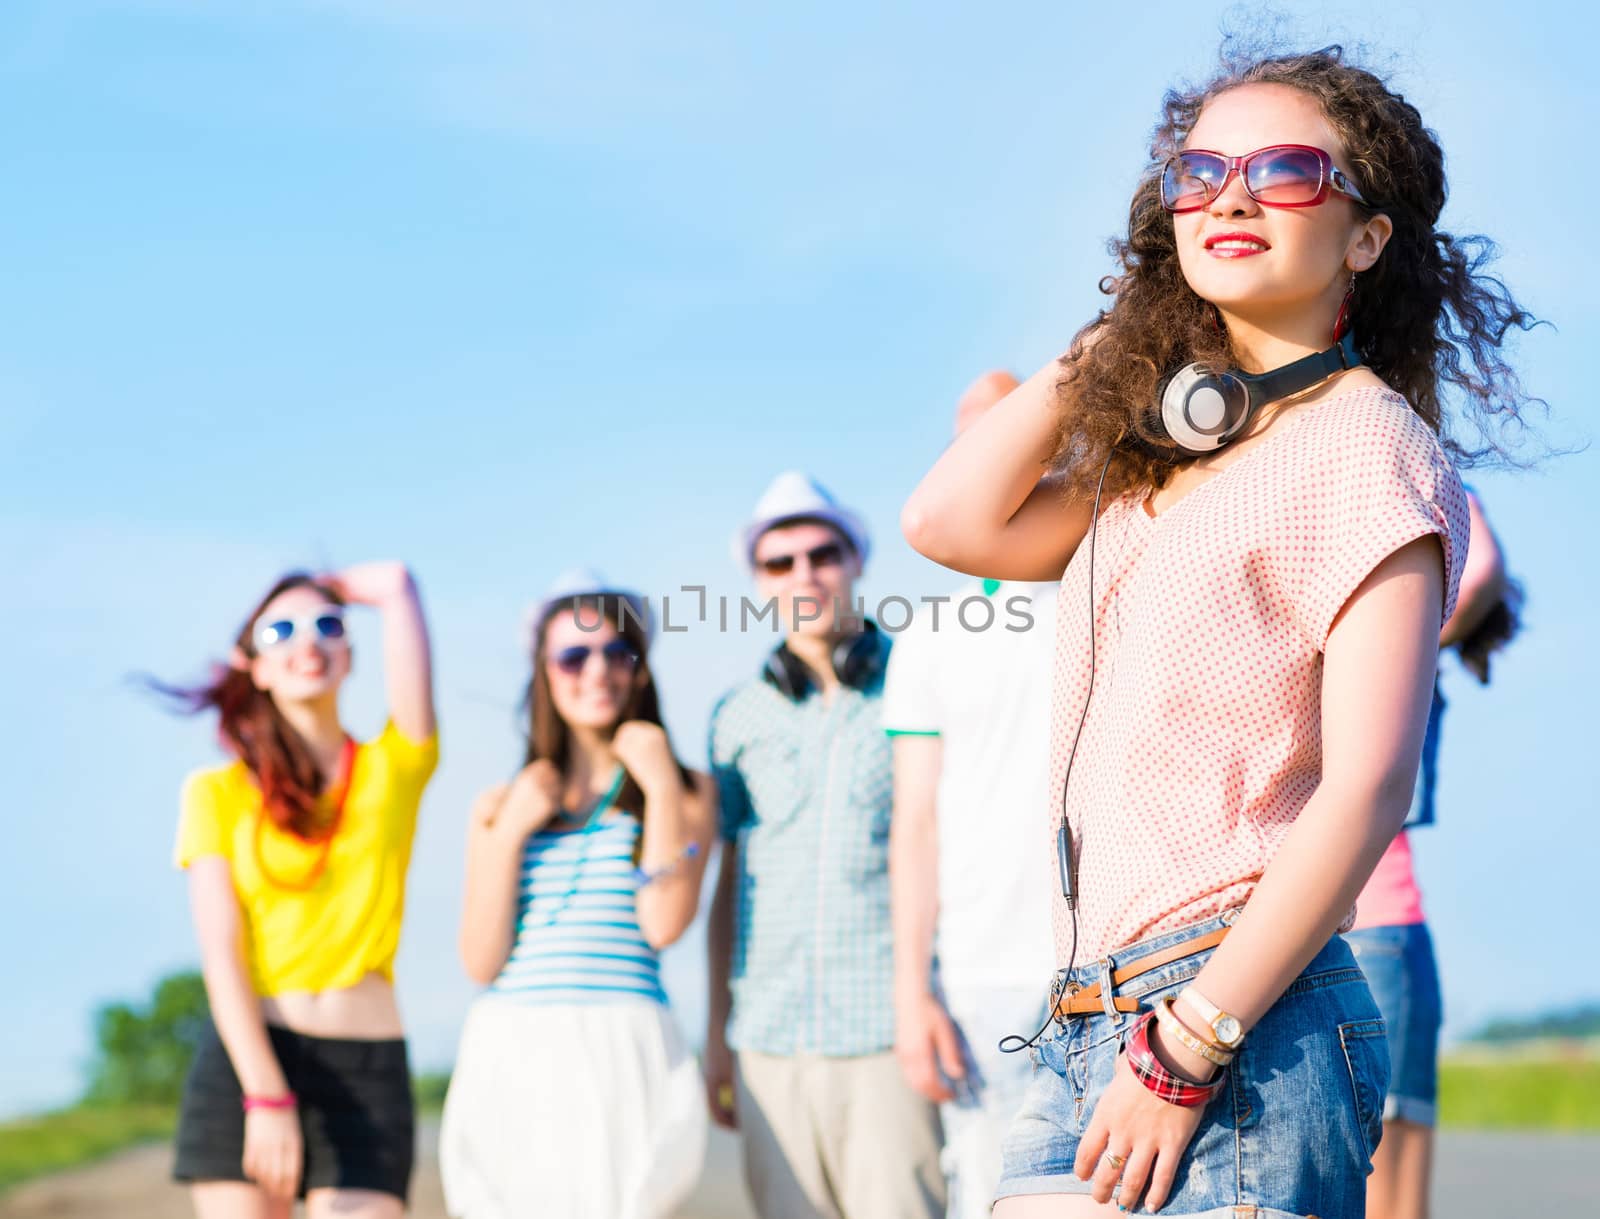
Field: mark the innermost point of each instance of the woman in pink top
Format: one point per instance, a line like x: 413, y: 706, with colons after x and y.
x: 1391, y: 939
x: 1246, y: 637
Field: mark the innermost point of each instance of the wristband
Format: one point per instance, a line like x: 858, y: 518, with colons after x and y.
x: 1153, y: 1073
x: 287, y: 1101
x: 649, y: 876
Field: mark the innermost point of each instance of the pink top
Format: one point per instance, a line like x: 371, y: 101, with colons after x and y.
x: 1391, y: 898
x: 1204, y: 737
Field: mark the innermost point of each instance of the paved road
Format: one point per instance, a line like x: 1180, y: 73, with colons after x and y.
x: 134, y: 1185
x: 1481, y: 1176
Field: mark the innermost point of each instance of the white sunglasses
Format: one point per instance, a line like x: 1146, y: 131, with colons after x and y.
x: 325, y: 625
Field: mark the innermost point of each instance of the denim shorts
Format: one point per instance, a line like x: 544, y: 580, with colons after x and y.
x: 1293, y: 1129
x: 1398, y: 962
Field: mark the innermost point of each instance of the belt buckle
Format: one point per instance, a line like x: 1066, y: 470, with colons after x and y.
x: 1063, y: 993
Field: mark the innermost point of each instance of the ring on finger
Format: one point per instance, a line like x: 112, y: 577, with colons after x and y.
x: 1115, y: 1160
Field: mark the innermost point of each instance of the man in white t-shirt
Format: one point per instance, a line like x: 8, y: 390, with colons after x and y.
x: 967, y: 704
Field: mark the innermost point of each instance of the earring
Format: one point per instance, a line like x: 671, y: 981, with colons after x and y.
x: 1342, y: 322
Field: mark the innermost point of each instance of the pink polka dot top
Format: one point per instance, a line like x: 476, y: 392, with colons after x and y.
x: 1203, y: 740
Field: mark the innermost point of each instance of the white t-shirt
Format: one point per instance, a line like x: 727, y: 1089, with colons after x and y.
x: 975, y: 671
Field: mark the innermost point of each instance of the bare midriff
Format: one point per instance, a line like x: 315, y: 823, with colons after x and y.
x: 366, y: 1011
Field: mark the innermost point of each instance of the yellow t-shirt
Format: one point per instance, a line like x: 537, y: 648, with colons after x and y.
x: 347, y: 923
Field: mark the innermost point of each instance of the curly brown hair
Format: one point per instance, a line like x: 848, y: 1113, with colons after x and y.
x: 1426, y: 316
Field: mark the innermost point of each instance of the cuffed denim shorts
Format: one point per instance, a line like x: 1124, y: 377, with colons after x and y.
x: 1291, y: 1132
x: 1398, y: 961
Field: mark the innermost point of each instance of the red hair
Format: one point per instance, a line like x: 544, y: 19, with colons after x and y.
x: 255, y: 731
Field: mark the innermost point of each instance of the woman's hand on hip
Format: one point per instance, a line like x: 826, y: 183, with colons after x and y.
x: 1146, y: 1134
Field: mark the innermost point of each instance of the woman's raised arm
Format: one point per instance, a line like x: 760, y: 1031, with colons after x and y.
x: 987, y: 507
x: 407, y: 655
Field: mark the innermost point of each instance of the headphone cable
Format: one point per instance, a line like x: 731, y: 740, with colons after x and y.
x: 1013, y: 1042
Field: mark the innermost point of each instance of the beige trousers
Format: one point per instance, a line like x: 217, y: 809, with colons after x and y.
x: 837, y: 1138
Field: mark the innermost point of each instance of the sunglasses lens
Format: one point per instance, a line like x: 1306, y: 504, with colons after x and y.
x: 782, y: 565
x: 271, y: 634
x: 329, y: 626
x: 571, y: 660
x: 1284, y: 177
x: 831, y: 554
x: 1191, y: 180
x: 620, y: 654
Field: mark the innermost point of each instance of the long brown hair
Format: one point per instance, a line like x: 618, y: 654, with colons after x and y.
x: 548, y: 735
x: 255, y: 731
x: 1426, y: 317
x: 1496, y: 629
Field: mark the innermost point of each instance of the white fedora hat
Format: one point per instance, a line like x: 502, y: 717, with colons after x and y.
x: 795, y: 495
x: 587, y: 582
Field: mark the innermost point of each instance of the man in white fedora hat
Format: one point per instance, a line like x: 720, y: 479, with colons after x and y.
x: 799, y: 1049
x: 967, y: 705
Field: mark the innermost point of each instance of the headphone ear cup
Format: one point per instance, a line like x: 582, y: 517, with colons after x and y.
x: 1201, y: 409
x: 785, y: 672
x: 856, y: 660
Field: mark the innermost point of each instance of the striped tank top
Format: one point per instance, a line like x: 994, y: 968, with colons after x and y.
x: 578, y: 938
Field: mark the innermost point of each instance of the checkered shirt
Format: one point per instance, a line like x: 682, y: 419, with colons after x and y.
x: 805, y: 792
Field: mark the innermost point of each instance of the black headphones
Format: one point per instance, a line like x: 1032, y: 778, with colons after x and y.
x: 857, y: 661
x: 1202, y: 409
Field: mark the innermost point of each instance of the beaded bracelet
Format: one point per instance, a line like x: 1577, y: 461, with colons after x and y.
x: 1153, y: 1073
x: 649, y: 876
x: 287, y: 1101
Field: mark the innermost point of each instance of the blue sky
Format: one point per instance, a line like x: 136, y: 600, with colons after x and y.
x: 499, y: 291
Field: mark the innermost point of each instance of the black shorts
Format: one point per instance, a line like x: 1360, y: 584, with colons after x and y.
x: 357, y: 1117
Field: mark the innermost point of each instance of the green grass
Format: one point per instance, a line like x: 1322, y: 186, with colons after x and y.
x: 1520, y: 1094
x: 429, y: 1088
x: 34, y: 1146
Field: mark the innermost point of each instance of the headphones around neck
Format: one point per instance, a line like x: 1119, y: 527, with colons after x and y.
x: 857, y: 660
x: 1202, y: 409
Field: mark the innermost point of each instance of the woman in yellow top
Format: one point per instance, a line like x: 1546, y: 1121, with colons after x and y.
x: 297, y: 854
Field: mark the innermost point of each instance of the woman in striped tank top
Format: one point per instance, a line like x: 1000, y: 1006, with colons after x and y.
x: 573, y: 1093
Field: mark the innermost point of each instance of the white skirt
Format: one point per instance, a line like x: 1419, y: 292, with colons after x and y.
x: 571, y: 1112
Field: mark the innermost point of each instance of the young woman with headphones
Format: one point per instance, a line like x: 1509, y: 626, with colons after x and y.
x: 1247, y: 634
x: 297, y: 853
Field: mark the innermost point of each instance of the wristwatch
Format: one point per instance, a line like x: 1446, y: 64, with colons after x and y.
x: 1225, y: 1027
x: 1172, y: 1024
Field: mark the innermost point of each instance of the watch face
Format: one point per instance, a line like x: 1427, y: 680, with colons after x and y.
x: 1227, y: 1030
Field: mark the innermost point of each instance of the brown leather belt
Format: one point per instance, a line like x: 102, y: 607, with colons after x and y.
x: 1086, y: 1000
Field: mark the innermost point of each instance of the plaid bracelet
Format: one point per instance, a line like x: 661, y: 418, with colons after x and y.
x: 1149, y: 1071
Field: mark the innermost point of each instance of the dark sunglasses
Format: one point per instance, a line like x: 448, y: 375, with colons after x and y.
x: 618, y: 654
x: 325, y: 626
x: 829, y: 554
x: 1284, y: 175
